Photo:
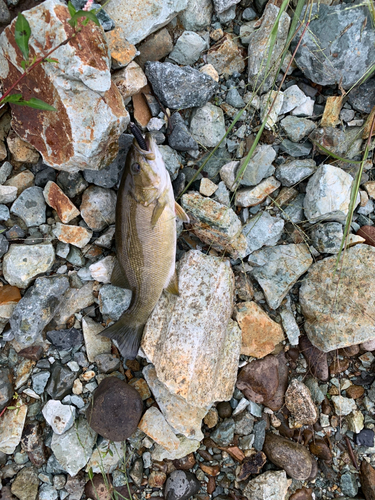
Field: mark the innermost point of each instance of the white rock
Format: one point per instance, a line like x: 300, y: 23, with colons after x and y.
x: 8, y: 194
x: 130, y: 80
x: 328, y: 195
x: 157, y: 428
x: 305, y: 109
x: 191, y: 339
x: 228, y: 174
x: 271, y: 485
x: 290, y: 325
x: 182, y: 417
x: 106, y: 457
x: 95, y: 344
x: 207, y: 187
x: 266, y: 102
x: 138, y: 19
x: 186, y: 446
x: 60, y: 417
x: 343, y: 406
x: 102, y: 270
x: 355, y: 421
x: 11, y: 427
x: 293, y: 98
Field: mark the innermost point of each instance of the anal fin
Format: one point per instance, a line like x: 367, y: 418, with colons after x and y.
x: 173, y: 285
x: 180, y: 212
x: 118, y: 277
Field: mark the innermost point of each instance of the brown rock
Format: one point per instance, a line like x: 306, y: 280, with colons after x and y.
x: 3, y: 151
x: 122, y: 52
x: 211, y: 485
x: 370, y: 188
x: 290, y: 456
x: 368, y: 233
x: 316, y: 359
x: 130, y: 80
x: 299, y: 402
x: 277, y: 400
x: 302, y: 494
x: 211, y: 419
x: 259, y: 379
x: 338, y: 366
x: 185, y: 463
x: 32, y: 442
x: 331, y: 114
x: 9, y: 295
x: 157, y: 479
x: 33, y: 352
x: 243, y: 287
x: 251, y: 465
x: 21, y: 181
x: 58, y: 200
x: 355, y: 391
x: 224, y: 409
x: 141, y: 386
x: 25, y: 486
x: 142, y: 114
x: 367, y: 479
x: 98, y: 489
x: 211, y: 470
x: 349, y: 351
x: 6, y: 493
x: 260, y: 334
x: 226, y: 56
x: 155, y: 47
x: 74, y: 235
x: 21, y: 150
x: 320, y: 449
x: 115, y: 409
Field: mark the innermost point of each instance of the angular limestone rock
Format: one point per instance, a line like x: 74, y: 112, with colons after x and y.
x: 191, y: 339
x: 183, y: 417
x: 338, y: 301
x: 157, y: 428
x: 11, y: 427
x: 90, y: 116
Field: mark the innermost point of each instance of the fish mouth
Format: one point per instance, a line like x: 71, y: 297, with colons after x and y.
x: 146, y: 153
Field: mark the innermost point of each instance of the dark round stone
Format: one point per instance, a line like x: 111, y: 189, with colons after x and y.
x: 224, y: 409
x: 181, y: 485
x: 364, y: 438
x: 115, y: 410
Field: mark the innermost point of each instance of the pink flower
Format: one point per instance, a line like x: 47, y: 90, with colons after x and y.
x: 88, y: 5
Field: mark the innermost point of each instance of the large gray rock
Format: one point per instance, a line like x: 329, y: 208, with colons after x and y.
x: 259, y: 46
x: 67, y: 139
x: 339, y: 45
x: 215, y: 224
x: 191, y: 339
x: 277, y: 269
x: 263, y: 230
x: 30, y: 206
x: 185, y: 418
x: 197, y: 15
x: 36, y: 309
x: 207, y: 125
x: 328, y: 195
x: 188, y: 48
x: 23, y: 262
x: 73, y: 449
x: 139, y: 19
x: 338, y: 301
x: 260, y: 166
x: 294, y: 171
x: 327, y: 238
x: 113, y: 301
x: 179, y: 88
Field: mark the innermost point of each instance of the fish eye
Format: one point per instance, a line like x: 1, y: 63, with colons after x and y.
x: 135, y: 168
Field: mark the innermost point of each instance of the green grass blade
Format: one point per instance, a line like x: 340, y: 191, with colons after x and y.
x: 22, y: 35
x: 335, y: 156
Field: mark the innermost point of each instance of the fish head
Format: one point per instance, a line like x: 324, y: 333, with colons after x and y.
x: 147, y: 170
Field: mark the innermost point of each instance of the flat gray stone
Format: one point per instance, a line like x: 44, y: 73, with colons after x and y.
x: 339, y: 45
x: 30, y: 206
x: 294, y: 171
x: 224, y: 5
x: 172, y: 160
x: 263, y: 230
x: 98, y: 207
x: 260, y: 166
x: 36, y: 309
x: 188, y: 48
x: 73, y: 449
x: 296, y: 149
x: 297, y: 128
x: 197, y: 15
x: 328, y: 195
x: 293, y: 212
x: 23, y: 262
x: 180, y: 88
x: 207, y: 125
x: 113, y: 301
x: 277, y: 269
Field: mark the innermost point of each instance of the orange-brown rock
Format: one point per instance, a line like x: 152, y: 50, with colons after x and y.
x: 226, y: 56
x: 260, y: 334
x: 9, y: 295
x: 157, y: 479
x: 211, y: 470
x: 367, y: 479
x: 155, y: 47
x: 75, y: 235
x: 21, y: 150
x: 58, y: 200
x: 355, y: 391
x: 142, y: 114
x: 21, y: 181
x: 122, y: 52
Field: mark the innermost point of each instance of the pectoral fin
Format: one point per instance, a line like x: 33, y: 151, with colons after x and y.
x: 118, y: 277
x: 158, y: 210
x: 180, y: 212
x: 173, y: 285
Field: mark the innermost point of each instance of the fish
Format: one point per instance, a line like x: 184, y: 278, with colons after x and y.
x: 146, y: 240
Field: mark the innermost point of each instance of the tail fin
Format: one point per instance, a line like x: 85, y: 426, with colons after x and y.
x: 127, y: 337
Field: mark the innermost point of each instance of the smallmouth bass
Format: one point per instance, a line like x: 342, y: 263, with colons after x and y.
x: 145, y: 239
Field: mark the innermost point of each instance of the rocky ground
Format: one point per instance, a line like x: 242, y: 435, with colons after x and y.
x: 258, y: 381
